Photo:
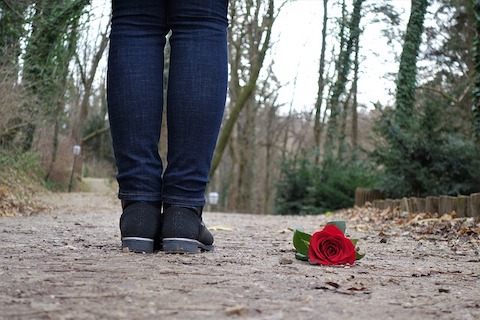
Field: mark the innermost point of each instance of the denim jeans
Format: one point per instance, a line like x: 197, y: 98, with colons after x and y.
x: 196, y: 94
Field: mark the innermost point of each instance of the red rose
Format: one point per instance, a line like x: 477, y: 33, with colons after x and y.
x: 330, y: 246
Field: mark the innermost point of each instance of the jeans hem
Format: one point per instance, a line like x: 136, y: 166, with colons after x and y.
x: 139, y: 196
x: 184, y: 201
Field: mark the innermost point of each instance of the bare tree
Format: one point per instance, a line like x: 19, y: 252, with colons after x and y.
x: 249, y: 35
x: 317, y: 129
x: 87, y: 77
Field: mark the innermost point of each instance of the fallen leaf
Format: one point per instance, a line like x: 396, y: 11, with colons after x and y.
x: 221, y: 228
x: 357, y: 289
x: 333, y: 284
x: 446, y: 217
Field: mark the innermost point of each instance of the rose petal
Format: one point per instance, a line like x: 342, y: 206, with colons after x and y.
x: 332, y: 229
x: 330, y: 247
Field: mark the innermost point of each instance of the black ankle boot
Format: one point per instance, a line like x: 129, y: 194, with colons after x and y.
x: 183, y: 230
x: 140, y: 225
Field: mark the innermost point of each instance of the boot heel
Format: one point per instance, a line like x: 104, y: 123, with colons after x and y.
x: 138, y: 245
x: 180, y: 245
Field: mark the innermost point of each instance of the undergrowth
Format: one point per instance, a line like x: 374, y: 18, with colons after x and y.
x: 20, y: 181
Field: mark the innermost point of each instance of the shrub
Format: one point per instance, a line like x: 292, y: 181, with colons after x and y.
x: 426, y: 159
x: 306, y: 188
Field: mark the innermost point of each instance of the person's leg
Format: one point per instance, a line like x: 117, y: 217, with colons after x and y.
x: 135, y: 101
x: 197, y: 88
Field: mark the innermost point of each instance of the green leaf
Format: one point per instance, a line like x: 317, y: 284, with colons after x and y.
x: 359, y: 255
x: 340, y: 224
x: 301, y: 241
x: 300, y: 256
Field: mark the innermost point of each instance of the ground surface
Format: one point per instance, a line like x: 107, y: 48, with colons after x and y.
x: 65, y: 263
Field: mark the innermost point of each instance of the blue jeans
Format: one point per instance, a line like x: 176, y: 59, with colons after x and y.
x: 196, y: 95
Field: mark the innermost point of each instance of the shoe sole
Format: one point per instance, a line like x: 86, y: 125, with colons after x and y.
x: 183, y: 245
x: 138, y: 245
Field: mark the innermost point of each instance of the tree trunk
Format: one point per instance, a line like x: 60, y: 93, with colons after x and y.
x: 317, y: 129
x: 246, y: 164
x: 476, y: 61
x: 356, y: 63
x: 342, y: 133
x: 343, y: 69
x: 232, y: 183
x: 350, y: 104
x: 272, y: 135
x: 406, y: 81
x: 267, y: 188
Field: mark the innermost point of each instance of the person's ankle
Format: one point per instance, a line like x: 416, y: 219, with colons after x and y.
x: 198, y: 210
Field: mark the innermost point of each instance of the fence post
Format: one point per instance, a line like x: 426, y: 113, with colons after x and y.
x: 475, y: 206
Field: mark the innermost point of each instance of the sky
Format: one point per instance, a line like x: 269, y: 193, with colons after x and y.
x: 296, y: 52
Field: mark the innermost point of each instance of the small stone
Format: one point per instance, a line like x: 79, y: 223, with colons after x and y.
x: 237, y: 310
x: 285, y: 261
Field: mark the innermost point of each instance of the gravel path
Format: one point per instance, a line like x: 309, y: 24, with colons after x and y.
x: 66, y: 263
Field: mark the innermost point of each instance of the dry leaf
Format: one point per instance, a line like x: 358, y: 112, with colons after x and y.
x: 221, y: 228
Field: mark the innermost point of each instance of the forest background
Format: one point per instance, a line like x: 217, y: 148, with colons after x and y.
x: 272, y: 156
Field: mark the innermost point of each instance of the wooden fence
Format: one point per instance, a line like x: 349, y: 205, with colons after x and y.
x: 464, y: 206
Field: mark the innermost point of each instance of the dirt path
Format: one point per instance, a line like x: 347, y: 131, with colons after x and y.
x: 66, y: 264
